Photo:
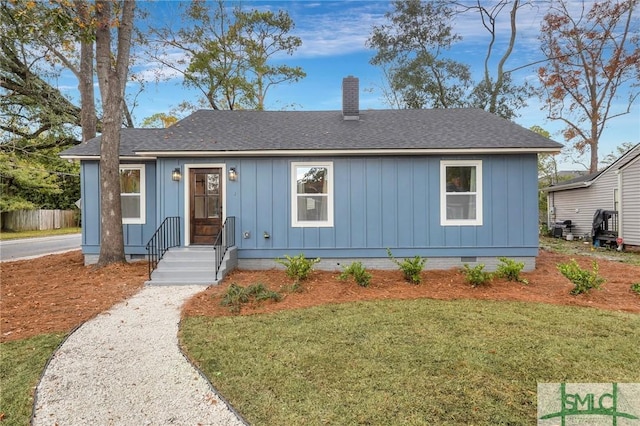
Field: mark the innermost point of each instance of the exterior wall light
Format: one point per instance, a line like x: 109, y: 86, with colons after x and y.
x: 233, y: 174
x: 176, y: 175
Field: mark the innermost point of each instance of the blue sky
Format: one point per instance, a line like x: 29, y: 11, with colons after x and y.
x: 333, y: 37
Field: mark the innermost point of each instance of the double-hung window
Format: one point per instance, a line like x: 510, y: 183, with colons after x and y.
x: 461, y: 192
x: 312, y: 194
x: 132, y: 193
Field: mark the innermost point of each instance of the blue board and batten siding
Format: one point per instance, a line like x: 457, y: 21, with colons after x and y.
x: 135, y: 236
x: 379, y: 202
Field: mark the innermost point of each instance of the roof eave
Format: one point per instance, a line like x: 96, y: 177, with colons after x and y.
x: 149, y: 155
x: 344, y: 152
x: 583, y: 184
x: 97, y: 157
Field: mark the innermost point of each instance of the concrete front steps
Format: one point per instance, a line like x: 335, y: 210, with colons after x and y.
x: 192, y: 266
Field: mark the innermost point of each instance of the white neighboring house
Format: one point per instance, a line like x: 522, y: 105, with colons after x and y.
x: 616, y: 187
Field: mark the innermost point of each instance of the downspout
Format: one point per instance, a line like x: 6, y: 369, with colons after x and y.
x: 620, y: 209
x: 551, y: 209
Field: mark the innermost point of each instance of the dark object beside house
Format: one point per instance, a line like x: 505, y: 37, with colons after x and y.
x: 605, y: 228
x: 559, y: 227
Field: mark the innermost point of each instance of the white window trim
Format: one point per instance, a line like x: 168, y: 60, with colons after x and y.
x: 443, y: 193
x: 143, y: 195
x: 295, y: 223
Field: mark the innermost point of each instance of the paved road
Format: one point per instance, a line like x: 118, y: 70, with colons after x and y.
x: 35, y: 247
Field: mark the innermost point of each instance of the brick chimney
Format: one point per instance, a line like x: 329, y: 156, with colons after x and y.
x: 350, y: 98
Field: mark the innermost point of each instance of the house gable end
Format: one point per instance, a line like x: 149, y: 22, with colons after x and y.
x: 588, y: 180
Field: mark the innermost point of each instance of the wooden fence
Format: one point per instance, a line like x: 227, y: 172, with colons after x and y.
x: 32, y: 220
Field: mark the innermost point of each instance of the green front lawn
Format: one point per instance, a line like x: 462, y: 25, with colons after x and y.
x: 409, y: 362
x: 21, y: 364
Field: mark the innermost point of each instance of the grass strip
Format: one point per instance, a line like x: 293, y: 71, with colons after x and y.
x: 409, y: 362
x: 21, y: 364
x: 585, y: 248
x: 15, y: 235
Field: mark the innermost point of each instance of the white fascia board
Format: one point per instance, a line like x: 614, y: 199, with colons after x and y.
x: 569, y: 186
x: 344, y: 152
x: 80, y: 157
x: 136, y: 158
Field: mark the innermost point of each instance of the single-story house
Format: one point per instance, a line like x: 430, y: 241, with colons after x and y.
x: 617, y: 187
x: 339, y: 185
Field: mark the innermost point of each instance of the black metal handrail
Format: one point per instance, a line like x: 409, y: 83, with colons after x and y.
x: 226, y: 238
x: 166, y: 236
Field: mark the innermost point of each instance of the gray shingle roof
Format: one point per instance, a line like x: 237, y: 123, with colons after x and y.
x: 579, y: 179
x: 442, y: 129
x: 130, y: 139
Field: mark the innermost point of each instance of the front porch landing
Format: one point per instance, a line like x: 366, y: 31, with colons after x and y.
x: 192, y: 265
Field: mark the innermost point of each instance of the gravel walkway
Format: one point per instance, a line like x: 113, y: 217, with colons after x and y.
x: 124, y: 368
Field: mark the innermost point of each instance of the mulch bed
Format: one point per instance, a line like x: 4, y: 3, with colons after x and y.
x: 57, y: 293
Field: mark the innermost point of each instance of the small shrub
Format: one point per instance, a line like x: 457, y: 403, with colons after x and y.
x: 635, y: 287
x: 477, y: 275
x: 297, y: 267
x: 260, y: 293
x: 411, y: 268
x: 358, y: 272
x: 582, y: 279
x: 510, y: 270
x: 294, y: 287
x: 235, y: 295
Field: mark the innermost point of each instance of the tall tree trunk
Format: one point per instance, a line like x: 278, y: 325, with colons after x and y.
x: 593, y: 148
x: 497, y: 89
x: 111, y: 80
x: 88, y: 119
